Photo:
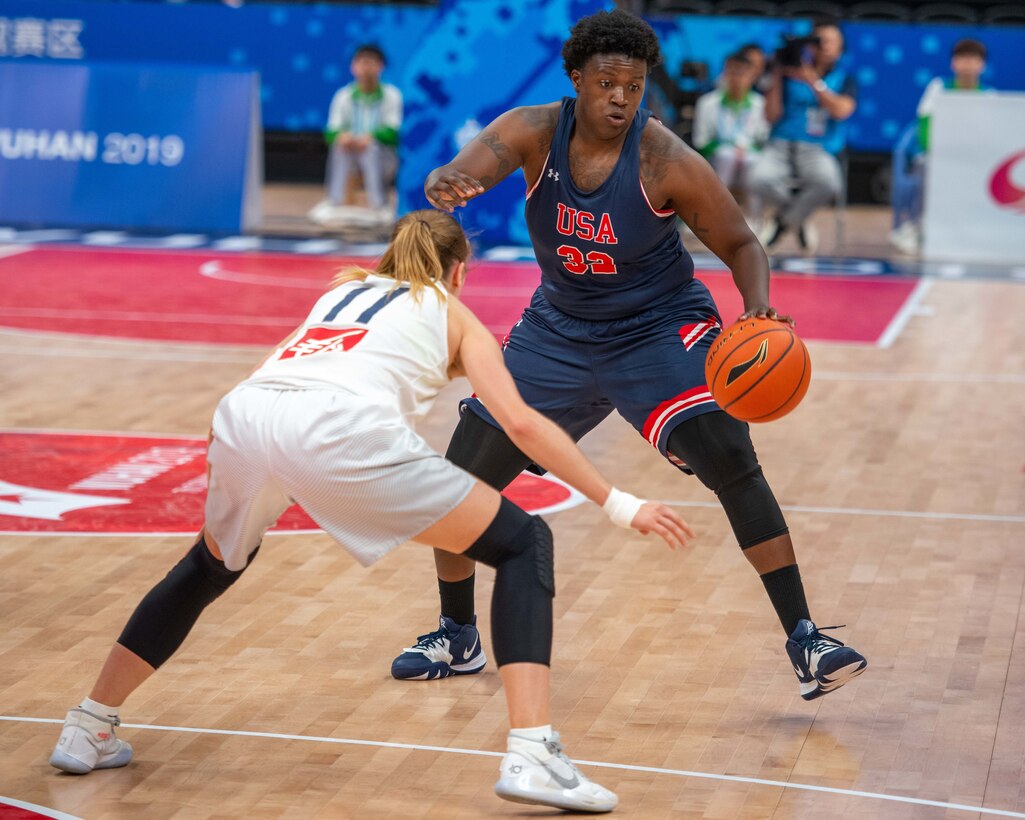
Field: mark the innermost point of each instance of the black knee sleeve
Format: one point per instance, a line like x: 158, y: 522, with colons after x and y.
x: 717, y: 447
x: 485, y: 451
x: 168, y: 612
x: 519, y: 547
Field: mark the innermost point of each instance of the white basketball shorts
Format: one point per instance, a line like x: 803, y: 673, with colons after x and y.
x: 355, y: 467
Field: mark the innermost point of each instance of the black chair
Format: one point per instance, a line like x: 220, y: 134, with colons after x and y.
x: 812, y: 8
x: 878, y: 10
x: 945, y: 13
x: 750, y: 8
x: 681, y: 7
x: 1014, y: 15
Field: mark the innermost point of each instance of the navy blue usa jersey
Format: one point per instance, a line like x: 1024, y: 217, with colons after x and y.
x: 606, y: 254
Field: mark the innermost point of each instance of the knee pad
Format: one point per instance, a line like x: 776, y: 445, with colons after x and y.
x: 485, y: 451
x: 165, y: 616
x: 718, y: 448
x: 519, y: 547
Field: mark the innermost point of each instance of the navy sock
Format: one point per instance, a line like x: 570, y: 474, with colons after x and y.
x: 457, y: 599
x: 787, y: 595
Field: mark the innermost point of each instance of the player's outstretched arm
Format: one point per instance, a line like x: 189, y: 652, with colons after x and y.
x: 479, y: 358
x: 687, y: 183
x: 497, y: 151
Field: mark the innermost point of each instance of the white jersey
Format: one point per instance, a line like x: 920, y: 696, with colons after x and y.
x: 369, y: 338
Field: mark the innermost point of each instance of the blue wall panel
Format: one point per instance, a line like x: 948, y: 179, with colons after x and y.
x: 464, y: 61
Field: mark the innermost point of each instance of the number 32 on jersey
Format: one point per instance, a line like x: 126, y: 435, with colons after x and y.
x: 570, y: 222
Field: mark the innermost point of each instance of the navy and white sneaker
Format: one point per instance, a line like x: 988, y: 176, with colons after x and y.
x: 451, y: 650
x: 822, y: 663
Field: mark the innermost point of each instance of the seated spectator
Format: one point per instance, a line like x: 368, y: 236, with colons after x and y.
x: 730, y: 127
x: 755, y: 55
x: 968, y: 63
x: 362, y: 134
x: 808, y: 101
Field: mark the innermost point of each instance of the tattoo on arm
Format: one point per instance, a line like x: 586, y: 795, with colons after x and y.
x: 501, y: 152
x: 660, y: 150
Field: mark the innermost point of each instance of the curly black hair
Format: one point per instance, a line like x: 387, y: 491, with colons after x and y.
x: 610, y: 32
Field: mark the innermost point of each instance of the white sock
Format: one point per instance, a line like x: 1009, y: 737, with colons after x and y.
x: 96, y: 708
x: 539, y: 734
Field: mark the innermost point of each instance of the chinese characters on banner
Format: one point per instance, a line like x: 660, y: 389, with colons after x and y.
x: 35, y: 37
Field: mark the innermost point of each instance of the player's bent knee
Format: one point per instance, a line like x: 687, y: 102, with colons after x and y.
x: 519, y: 546
x: 718, y: 448
x: 165, y: 616
x: 485, y: 452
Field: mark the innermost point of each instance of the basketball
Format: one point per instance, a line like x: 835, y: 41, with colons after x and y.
x: 758, y: 370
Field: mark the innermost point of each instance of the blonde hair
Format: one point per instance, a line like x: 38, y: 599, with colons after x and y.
x: 424, y: 245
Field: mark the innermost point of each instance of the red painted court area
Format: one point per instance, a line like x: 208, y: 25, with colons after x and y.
x: 60, y: 482
x: 258, y: 298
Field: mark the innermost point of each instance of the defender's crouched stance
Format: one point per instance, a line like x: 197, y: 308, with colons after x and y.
x: 326, y: 421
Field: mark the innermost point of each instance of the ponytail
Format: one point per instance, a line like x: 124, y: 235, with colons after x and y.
x: 424, y: 245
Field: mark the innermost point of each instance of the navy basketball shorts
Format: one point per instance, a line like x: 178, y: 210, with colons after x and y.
x: 649, y: 367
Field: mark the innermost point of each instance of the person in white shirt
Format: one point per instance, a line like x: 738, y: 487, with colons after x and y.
x: 967, y: 65
x: 362, y: 134
x: 730, y: 127
x: 326, y: 421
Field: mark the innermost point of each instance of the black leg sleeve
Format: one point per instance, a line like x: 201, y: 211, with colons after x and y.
x: 519, y: 546
x: 166, y: 615
x: 485, y: 451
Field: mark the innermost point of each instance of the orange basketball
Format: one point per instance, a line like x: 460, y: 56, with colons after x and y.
x: 758, y: 370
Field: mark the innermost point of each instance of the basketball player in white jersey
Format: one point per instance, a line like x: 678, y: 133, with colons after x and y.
x: 326, y: 421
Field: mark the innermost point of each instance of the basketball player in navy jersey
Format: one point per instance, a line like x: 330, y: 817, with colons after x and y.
x: 619, y: 322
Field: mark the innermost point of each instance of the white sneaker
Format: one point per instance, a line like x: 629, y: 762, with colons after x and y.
x: 539, y: 772
x: 905, y: 238
x: 87, y: 742
x: 321, y: 211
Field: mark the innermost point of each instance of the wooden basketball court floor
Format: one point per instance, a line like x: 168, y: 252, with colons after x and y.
x: 903, y: 479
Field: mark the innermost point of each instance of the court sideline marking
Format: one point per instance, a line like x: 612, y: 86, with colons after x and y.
x: 936, y: 516
x: 43, y: 811
x: 730, y: 778
x: 910, y: 308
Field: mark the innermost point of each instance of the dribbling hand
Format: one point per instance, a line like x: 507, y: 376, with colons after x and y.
x: 657, y: 518
x: 452, y: 189
x: 765, y: 312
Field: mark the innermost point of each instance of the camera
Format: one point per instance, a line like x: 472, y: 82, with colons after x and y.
x: 792, y: 53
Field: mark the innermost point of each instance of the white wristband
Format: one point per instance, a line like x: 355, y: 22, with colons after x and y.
x: 622, y: 507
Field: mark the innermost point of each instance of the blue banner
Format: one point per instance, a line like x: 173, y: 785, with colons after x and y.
x: 462, y: 62
x: 142, y: 147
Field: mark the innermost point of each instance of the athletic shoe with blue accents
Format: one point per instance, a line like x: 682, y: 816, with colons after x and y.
x: 87, y: 742
x: 822, y: 663
x: 451, y: 650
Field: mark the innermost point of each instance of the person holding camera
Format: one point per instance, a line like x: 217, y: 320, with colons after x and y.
x: 808, y: 102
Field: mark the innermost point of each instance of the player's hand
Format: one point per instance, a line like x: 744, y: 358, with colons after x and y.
x: 766, y: 312
x: 452, y: 189
x: 657, y: 518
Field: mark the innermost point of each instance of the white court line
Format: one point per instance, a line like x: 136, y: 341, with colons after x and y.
x: 730, y: 778
x: 935, y: 516
x: 953, y: 378
x: 903, y: 316
x: 45, y: 811
x: 14, y: 250
x: 213, y: 270
x: 144, y: 355
x: 232, y: 357
x: 147, y: 316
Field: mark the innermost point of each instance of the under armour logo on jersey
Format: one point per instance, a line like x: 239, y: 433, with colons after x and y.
x: 553, y: 174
